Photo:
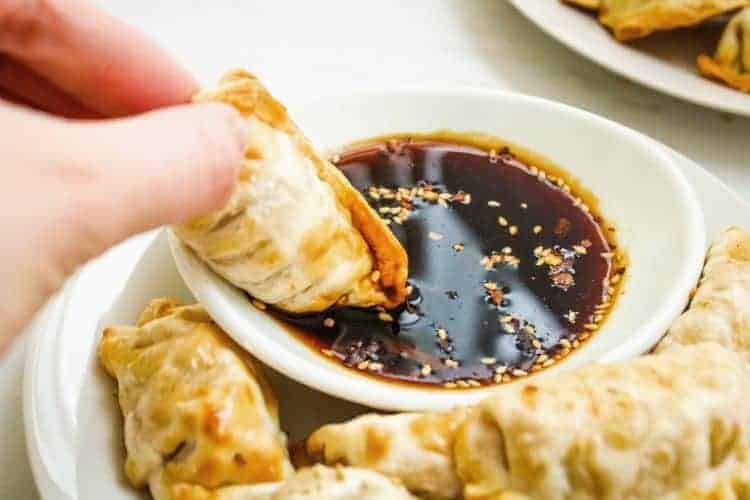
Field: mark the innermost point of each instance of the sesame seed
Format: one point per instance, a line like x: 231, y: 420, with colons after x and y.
x: 501, y: 369
x: 493, y: 203
x: 426, y: 370
x: 513, y: 230
x: 451, y: 363
x: 375, y: 276
x: 363, y: 365
x: 473, y: 383
x: 435, y: 236
x: 462, y: 383
x: 258, y: 304
x: 536, y: 344
x: 541, y: 358
x: 538, y: 251
x: 508, y: 328
x: 519, y: 373
x: 615, y: 279
x: 607, y: 255
x: 497, y: 379
x: 384, y: 210
x: 329, y: 322
x: 565, y: 343
x: 375, y: 367
x: 490, y: 285
x: 488, y: 361
x: 580, y: 249
x: 442, y: 333
x: 458, y: 247
x: 384, y: 316
x: 536, y: 229
x: 507, y: 250
x: 449, y: 385
x: 502, y: 221
x: 524, y: 206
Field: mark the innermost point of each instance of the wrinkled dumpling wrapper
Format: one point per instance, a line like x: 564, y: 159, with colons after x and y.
x: 631, y: 19
x: 295, y: 233
x: 731, y: 62
x: 198, y: 415
x: 643, y: 429
x: 415, y: 448
x: 720, y: 308
x: 317, y: 483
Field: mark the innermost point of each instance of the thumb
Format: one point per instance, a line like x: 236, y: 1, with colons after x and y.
x: 162, y: 167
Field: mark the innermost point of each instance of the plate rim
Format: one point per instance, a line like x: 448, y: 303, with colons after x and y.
x: 568, y: 40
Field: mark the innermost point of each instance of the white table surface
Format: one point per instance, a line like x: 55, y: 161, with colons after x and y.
x: 299, y: 47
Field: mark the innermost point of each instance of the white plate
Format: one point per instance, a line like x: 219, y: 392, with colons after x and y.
x: 71, y: 421
x: 664, y: 61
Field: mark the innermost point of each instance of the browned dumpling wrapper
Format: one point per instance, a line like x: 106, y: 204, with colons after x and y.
x: 198, y: 415
x: 631, y: 19
x: 731, y: 63
x: 585, y: 4
x: 295, y: 233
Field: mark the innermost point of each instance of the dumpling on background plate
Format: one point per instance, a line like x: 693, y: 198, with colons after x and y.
x: 731, y: 62
x: 631, y: 19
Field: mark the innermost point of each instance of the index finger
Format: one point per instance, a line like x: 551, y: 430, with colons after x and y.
x: 107, y: 65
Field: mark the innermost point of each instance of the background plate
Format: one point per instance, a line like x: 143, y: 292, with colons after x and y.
x: 71, y: 420
x: 664, y: 61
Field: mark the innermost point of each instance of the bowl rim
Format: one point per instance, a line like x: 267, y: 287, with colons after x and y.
x: 385, y: 395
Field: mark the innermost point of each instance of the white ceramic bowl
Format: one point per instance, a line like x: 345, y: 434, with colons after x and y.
x: 659, y: 222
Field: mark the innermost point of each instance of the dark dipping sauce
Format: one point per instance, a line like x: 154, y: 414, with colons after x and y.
x: 510, y: 270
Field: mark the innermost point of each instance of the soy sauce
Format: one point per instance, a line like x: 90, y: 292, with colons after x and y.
x: 509, y: 268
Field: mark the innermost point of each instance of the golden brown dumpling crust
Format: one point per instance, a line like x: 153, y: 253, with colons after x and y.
x: 631, y: 19
x: 731, y: 63
x: 197, y: 410
x: 585, y: 4
x: 295, y: 233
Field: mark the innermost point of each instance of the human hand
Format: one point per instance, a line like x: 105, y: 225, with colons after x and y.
x: 72, y: 188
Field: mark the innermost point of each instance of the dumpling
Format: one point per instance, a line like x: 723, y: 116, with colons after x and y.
x: 585, y: 4
x: 317, y: 483
x: 198, y: 414
x: 720, y: 309
x: 295, y: 233
x: 644, y: 429
x: 731, y: 63
x: 415, y: 448
x: 631, y: 19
